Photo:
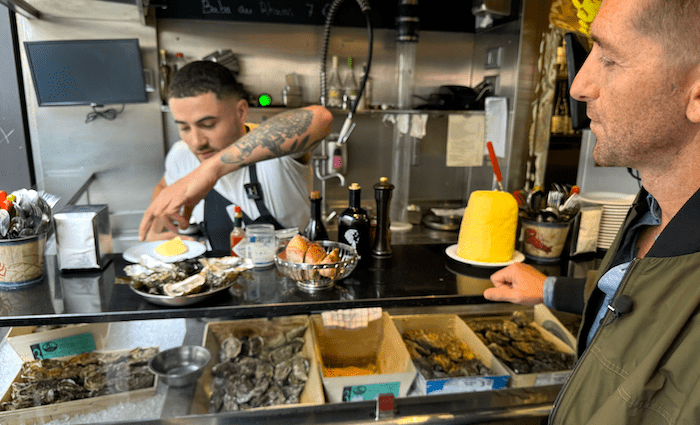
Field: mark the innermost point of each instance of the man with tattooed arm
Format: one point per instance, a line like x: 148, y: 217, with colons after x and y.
x: 223, y: 162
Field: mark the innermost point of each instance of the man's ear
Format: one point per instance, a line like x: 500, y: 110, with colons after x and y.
x: 693, y: 109
x: 242, y: 110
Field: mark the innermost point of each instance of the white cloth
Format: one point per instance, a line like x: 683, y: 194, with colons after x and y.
x: 284, y: 181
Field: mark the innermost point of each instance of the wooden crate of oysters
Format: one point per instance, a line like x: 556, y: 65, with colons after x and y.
x: 49, y: 389
x: 258, y: 363
x: 449, y: 356
x: 533, y: 354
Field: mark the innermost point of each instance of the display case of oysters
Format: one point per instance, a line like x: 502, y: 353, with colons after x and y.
x: 534, y: 355
x: 258, y: 364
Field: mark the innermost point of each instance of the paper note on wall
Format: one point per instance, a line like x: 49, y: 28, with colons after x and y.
x: 465, y: 140
x: 496, y: 124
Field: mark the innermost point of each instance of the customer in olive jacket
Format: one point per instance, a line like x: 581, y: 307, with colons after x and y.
x: 640, y: 336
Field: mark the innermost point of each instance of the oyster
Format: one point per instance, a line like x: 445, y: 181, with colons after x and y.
x: 85, y: 375
x: 191, y: 285
x: 520, y: 345
x: 254, y: 371
x: 440, y: 354
x: 156, y: 277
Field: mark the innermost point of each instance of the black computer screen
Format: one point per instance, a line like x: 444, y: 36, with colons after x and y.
x: 576, y: 54
x: 86, y: 72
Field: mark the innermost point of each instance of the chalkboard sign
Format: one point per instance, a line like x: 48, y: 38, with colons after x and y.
x: 435, y: 15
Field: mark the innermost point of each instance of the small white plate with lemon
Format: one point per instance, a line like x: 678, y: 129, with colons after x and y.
x: 178, y: 249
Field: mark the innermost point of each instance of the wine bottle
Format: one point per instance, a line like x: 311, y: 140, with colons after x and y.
x: 315, y: 229
x: 350, y: 87
x: 165, y: 74
x: 335, y: 88
x: 353, y: 224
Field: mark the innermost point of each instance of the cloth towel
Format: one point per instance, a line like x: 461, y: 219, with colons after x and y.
x: 411, y: 124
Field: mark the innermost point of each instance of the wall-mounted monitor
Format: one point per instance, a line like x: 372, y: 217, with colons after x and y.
x: 87, y: 72
x: 576, y: 54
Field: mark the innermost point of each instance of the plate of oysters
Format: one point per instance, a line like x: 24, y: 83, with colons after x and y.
x: 184, y: 282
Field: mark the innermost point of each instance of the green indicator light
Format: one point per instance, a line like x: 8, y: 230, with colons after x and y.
x: 265, y: 100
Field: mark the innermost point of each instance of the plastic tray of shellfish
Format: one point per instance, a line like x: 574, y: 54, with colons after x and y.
x: 449, y: 356
x: 51, y: 389
x: 534, y: 355
x: 258, y: 364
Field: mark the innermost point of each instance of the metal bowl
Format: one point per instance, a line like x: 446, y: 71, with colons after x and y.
x: 318, y: 276
x: 180, y: 366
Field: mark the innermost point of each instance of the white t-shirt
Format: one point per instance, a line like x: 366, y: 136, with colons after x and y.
x: 284, y: 182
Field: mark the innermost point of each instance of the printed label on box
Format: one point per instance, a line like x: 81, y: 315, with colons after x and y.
x: 552, y: 378
x: 470, y: 384
x: 61, y: 347
x: 370, y: 391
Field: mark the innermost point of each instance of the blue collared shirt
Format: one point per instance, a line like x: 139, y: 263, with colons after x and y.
x: 610, y: 281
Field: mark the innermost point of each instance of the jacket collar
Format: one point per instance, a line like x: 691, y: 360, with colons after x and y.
x: 682, y: 235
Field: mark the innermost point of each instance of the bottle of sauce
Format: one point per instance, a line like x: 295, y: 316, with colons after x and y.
x: 237, y: 234
x: 315, y: 229
x: 353, y: 224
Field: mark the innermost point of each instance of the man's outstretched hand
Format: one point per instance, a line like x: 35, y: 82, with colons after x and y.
x: 518, y: 283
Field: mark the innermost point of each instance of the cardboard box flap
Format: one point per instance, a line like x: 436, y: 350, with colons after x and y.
x: 395, y: 370
x: 23, y: 339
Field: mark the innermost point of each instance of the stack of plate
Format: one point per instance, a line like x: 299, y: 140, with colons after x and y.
x: 615, y: 208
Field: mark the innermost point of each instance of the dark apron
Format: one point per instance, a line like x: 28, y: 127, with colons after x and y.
x: 217, y: 224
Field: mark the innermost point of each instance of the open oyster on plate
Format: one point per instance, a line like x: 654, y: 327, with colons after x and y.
x: 184, y: 282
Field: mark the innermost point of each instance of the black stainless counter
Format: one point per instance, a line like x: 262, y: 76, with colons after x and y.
x: 415, y: 276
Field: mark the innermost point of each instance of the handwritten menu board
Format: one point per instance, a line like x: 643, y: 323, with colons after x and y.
x: 435, y: 15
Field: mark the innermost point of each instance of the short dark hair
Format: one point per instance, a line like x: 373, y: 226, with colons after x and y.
x: 200, y: 77
x: 676, y: 24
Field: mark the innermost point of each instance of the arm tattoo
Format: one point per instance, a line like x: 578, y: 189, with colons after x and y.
x: 272, y: 135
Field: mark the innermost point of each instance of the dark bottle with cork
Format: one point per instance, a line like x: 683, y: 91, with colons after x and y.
x: 381, y: 248
x: 315, y: 230
x: 353, y: 224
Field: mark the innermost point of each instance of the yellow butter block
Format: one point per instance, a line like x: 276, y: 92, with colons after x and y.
x: 487, y: 233
x: 171, y: 248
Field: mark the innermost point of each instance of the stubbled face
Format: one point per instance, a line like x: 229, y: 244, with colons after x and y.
x: 207, y: 124
x: 636, y: 103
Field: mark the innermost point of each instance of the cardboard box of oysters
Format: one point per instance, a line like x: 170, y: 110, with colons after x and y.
x: 533, y: 355
x: 449, y: 356
x: 361, y: 355
x: 52, y: 389
x: 258, y: 364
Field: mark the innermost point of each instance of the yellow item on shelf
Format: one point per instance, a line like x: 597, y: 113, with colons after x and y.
x: 487, y: 233
x: 171, y: 248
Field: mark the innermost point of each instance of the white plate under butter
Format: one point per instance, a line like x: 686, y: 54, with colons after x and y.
x: 451, y: 251
x: 194, y: 250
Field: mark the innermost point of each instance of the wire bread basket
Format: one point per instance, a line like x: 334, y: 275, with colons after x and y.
x: 318, y: 276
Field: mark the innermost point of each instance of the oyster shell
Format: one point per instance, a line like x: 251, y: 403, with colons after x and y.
x: 191, y: 285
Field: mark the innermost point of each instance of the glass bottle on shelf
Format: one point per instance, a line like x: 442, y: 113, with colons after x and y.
x: 366, y: 99
x: 335, y: 88
x: 165, y: 74
x: 237, y: 234
x: 315, y: 230
x: 179, y: 61
x: 560, y: 110
x: 353, y: 224
x: 350, y: 87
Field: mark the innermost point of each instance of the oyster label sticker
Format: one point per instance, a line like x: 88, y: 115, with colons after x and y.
x: 61, y: 347
x: 465, y: 384
x: 370, y: 391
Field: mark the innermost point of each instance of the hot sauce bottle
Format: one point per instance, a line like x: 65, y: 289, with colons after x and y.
x: 237, y: 234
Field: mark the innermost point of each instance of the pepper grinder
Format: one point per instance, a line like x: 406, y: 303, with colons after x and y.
x: 382, y: 194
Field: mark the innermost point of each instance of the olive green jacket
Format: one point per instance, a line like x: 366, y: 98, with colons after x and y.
x: 643, y: 367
